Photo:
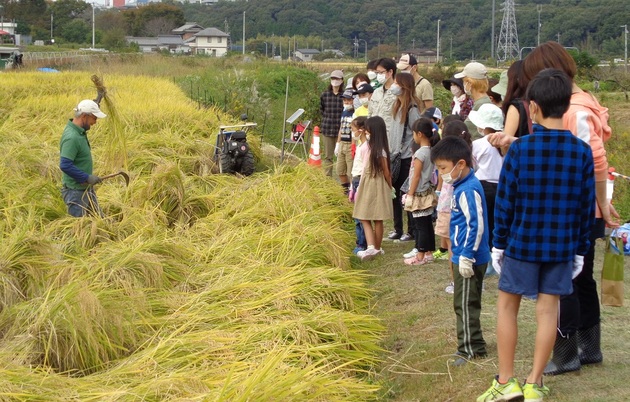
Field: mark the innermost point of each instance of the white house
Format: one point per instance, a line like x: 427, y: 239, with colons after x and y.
x: 187, y: 30
x: 210, y: 41
x: 305, y: 54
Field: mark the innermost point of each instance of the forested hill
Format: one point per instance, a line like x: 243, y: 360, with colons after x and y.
x: 465, y: 25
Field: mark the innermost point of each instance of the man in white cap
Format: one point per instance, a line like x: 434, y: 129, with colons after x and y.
x: 424, y: 90
x: 76, y: 161
x: 475, y: 76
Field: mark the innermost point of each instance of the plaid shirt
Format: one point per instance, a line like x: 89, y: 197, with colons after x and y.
x: 545, y: 204
x: 330, y: 106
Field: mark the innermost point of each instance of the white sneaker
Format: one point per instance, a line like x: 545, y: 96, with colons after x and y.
x: 450, y: 289
x: 410, y: 254
x: 368, y: 253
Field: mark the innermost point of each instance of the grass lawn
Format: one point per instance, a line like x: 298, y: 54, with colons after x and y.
x: 421, y: 338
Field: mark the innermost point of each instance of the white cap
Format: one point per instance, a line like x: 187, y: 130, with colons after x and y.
x: 89, y: 107
x: 473, y: 70
x: 488, y: 116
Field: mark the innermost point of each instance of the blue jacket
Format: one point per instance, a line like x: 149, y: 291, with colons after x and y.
x: 545, y: 204
x: 469, y: 221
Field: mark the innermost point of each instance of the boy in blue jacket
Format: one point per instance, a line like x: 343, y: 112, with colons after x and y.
x: 469, y: 239
x: 544, y: 211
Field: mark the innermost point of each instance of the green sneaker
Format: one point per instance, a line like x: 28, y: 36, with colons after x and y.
x: 534, y: 393
x: 440, y: 255
x: 510, y: 391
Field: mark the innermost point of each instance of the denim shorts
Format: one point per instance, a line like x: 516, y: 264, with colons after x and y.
x: 530, y: 278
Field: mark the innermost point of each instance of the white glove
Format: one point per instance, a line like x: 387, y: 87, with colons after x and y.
x: 337, y: 148
x: 497, y: 259
x: 578, y: 264
x: 403, y: 199
x: 466, y: 266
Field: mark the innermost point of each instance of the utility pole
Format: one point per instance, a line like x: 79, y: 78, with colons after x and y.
x: 625, y: 53
x: 558, y: 37
x: 451, y: 55
x: 51, y: 27
x: 491, y: 39
x: 93, y: 4
x: 243, y: 33
x: 437, y: 58
x: 539, y: 9
x: 398, y: 38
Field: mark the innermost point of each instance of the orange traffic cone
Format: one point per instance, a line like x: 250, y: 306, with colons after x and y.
x: 314, y: 157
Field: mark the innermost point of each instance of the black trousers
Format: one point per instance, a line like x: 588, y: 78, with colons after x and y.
x: 423, y: 233
x: 490, y: 192
x: 405, y: 164
x: 580, y: 310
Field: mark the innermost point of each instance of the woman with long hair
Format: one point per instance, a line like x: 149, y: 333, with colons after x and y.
x: 405, y: 112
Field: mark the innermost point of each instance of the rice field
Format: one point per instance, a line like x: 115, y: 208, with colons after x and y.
x: 195, y: 286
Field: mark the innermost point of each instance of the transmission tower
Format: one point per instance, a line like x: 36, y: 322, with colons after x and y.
x: 508, y: 48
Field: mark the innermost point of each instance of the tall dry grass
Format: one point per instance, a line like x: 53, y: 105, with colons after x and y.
x: 194, y: 286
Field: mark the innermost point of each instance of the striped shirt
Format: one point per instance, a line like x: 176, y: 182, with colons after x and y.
x: 545, y: 204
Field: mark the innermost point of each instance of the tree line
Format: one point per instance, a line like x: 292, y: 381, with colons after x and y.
x: 383, y: 26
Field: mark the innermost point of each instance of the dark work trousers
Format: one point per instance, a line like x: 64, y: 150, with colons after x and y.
x: 405, y: 164
x: 467, y: 306
x: 490, y: 192
x: 580, y: 309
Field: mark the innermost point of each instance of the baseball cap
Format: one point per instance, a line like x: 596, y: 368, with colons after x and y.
x: 405, y: 61
x: 89, y: 107
x: 474, y: 70
x: 337, y: 74
x: 501, y: 87
x: 347, y: 94
x: 488, y: 115
x: 365, y: 88
x: 433, y: 113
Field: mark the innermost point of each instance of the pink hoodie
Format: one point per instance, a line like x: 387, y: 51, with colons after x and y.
x: 588, y: 120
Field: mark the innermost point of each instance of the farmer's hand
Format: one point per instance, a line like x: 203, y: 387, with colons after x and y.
x: 578, y: 264
x: 466, y: 267
x: 93, y: 179
x: 497, y: 259
x: 337, y: 148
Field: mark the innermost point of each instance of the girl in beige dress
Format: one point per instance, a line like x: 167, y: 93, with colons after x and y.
x: 373, y: 202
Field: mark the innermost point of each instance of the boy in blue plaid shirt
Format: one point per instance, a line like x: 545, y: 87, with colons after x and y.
x: 544, y: 211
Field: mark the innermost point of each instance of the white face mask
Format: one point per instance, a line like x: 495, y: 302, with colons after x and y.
x: 364, y: 101
x: 455, y: 90
x: 336, y: 83
x: 448, y: 179
x: 381, y: 78
x: 480, y: 131
x: 367, y: 137
x: 371, y: 75
x: 396, y: 89
x: 467, y: 90
x: 347, y: 107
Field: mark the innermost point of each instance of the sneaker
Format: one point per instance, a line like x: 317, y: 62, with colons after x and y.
x: 406, y: 237
x: 534, y: 393
x: 415, y: 261
x: 393, y: 235
x: 368, y: 253
x: 411, y: 253
x: 428, y: 258
x: 450, y: 289
x: 510, y: 391
x: 357, y: 249
x: 440, y: 255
